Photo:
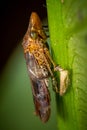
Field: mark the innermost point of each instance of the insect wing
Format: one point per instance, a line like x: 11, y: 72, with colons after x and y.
x: 40, y: 90
x: 41, y: 99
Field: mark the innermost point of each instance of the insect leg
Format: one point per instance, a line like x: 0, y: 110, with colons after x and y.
x: 64, y: 74
x: 54, y: 82
x: 56, y: 68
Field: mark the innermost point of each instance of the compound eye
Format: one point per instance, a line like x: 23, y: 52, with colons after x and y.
x: 33, y: 35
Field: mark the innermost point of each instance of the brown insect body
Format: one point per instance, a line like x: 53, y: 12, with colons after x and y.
x: 39, y: 63
x: 34, y: 44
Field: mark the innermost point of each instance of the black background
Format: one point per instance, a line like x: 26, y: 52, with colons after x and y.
x: 14, y: 19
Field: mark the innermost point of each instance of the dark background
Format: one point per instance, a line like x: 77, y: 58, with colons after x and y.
x: 16, y: 101
x: 14, y: 19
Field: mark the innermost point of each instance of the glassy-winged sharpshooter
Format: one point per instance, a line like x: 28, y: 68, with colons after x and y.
x: 39, y: 64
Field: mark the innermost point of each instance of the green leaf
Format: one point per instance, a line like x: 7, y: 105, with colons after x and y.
x: 68, y: 33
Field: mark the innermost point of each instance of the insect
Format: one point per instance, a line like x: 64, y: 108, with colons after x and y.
x: 39, y: 63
